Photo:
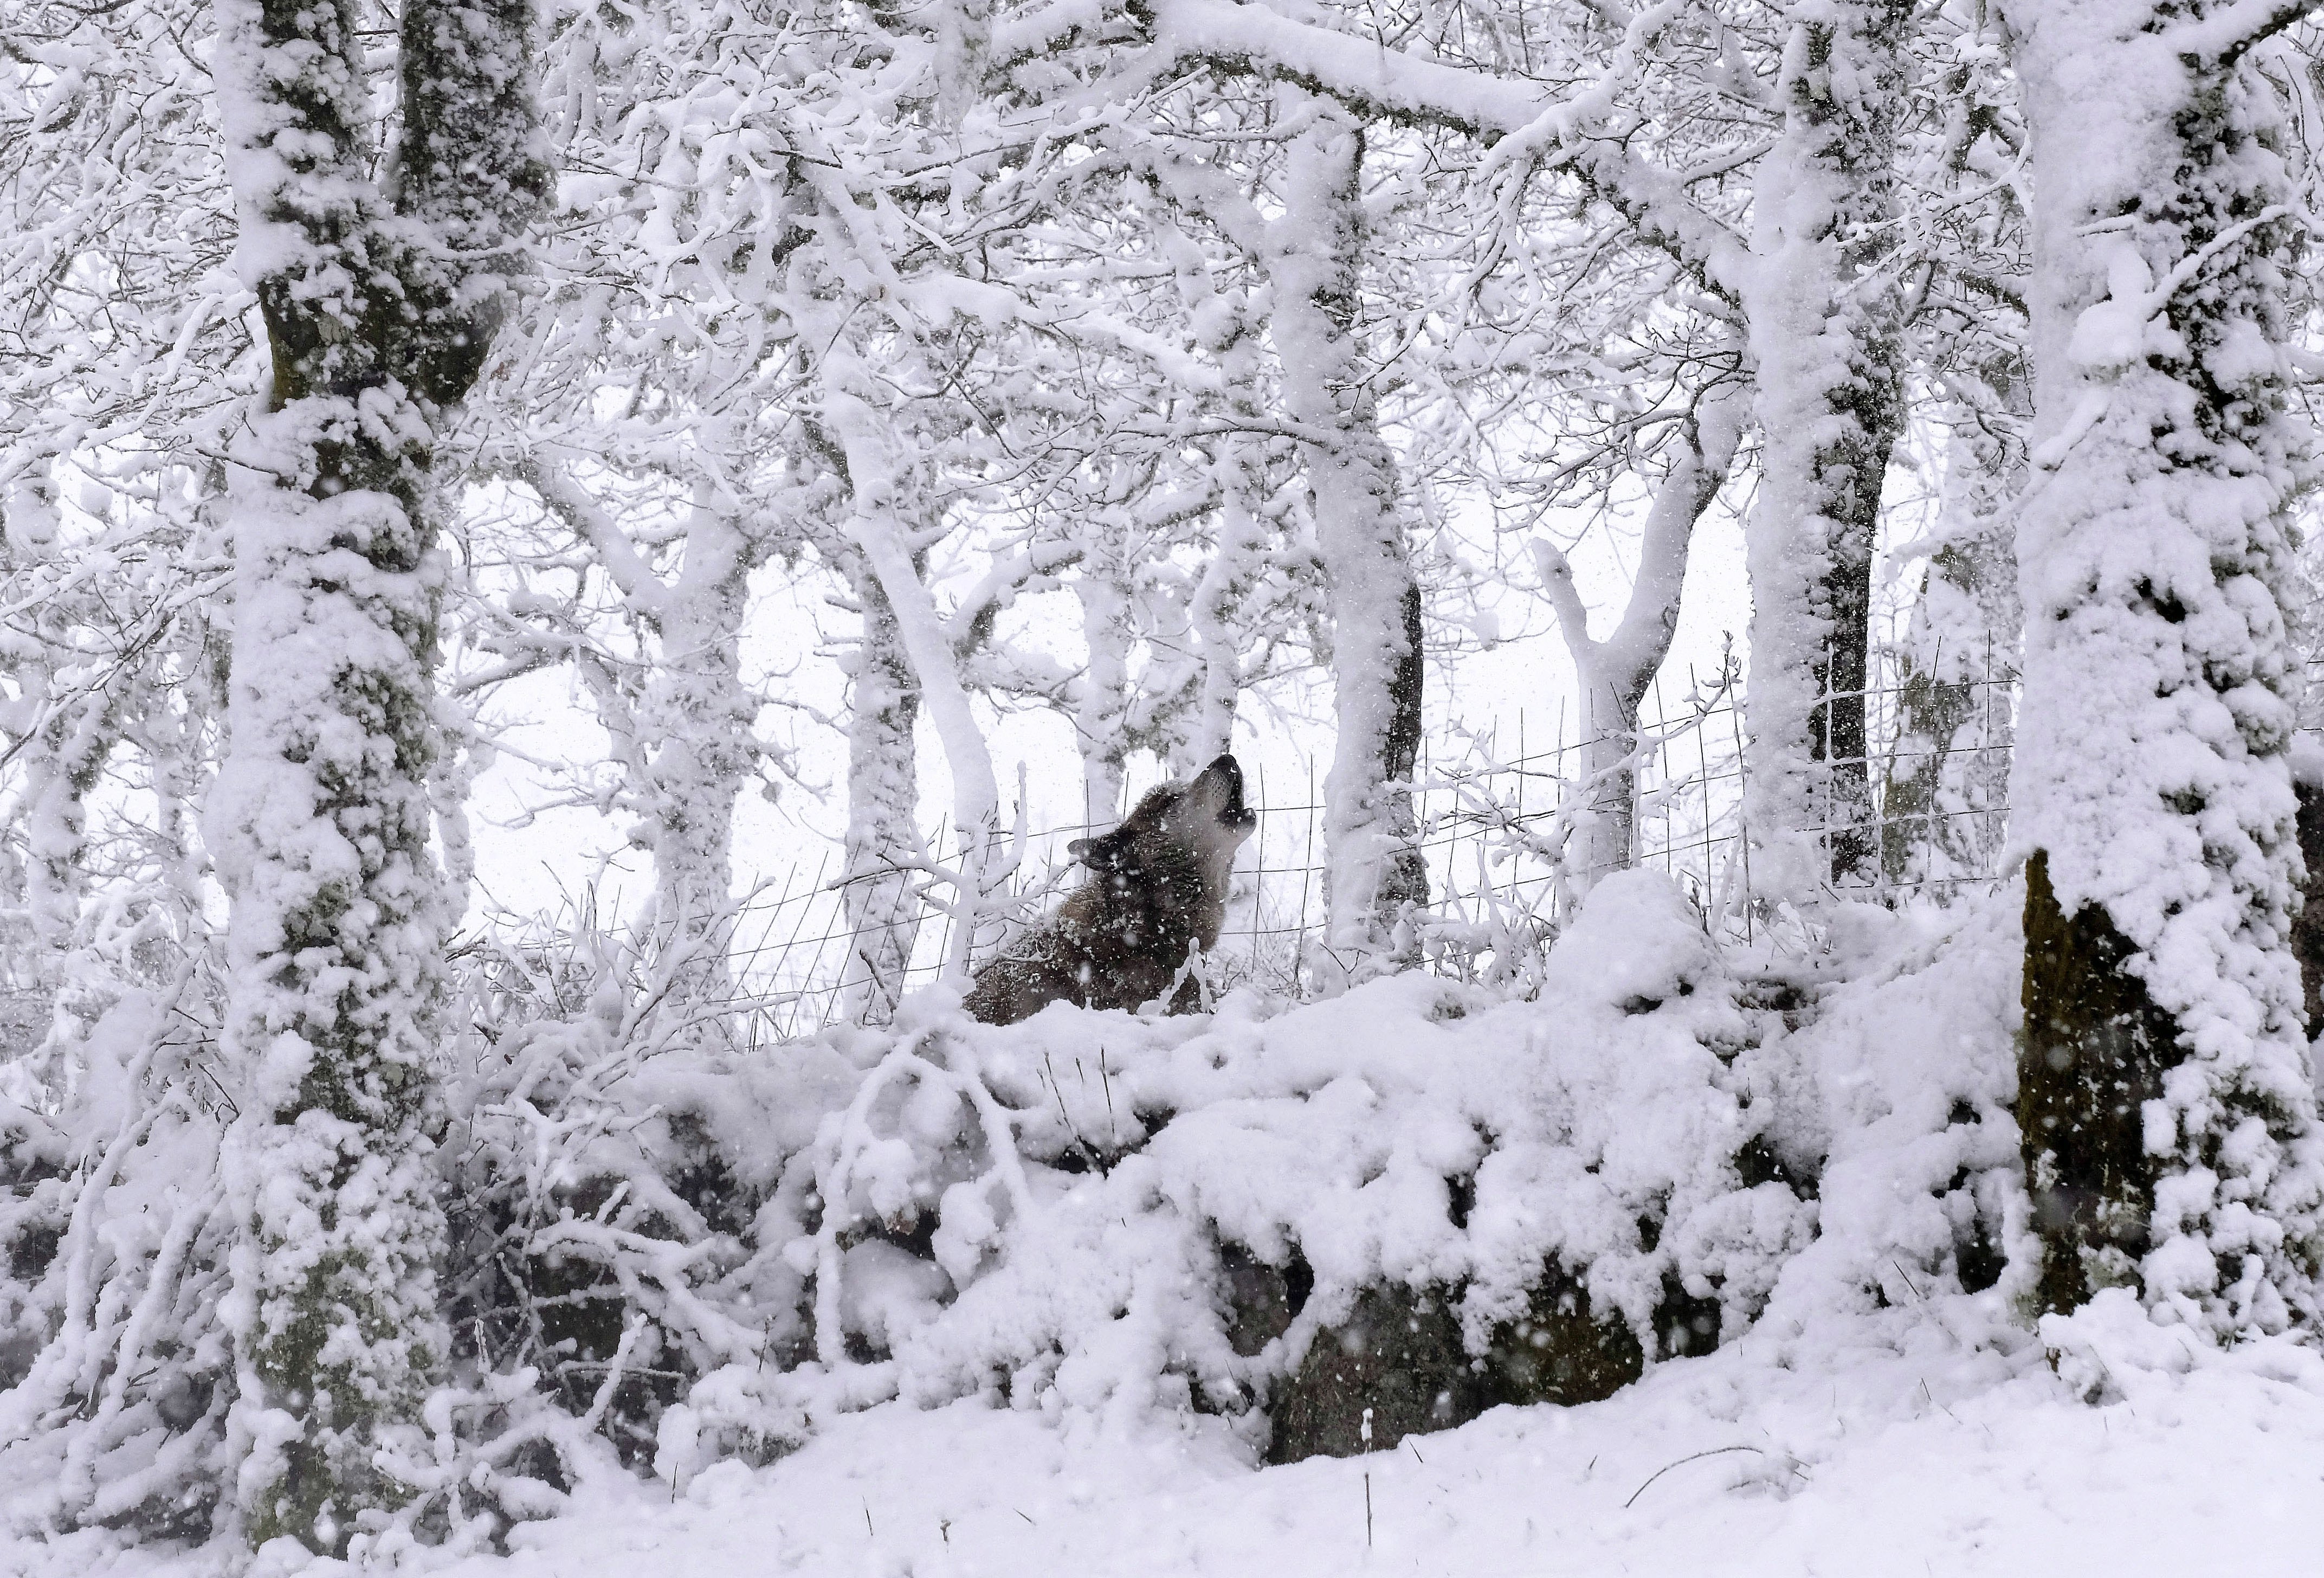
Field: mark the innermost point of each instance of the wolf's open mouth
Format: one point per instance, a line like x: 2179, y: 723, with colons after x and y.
x: 1233, y: 813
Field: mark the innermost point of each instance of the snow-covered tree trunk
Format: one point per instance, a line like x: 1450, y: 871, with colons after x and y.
x: 685, y: 737
x: 877, y: 527
x: 1825, y: 340
x: 62, y: 724
x: 883, y: 838
x: 2169, y: 1126
x: 1613, y: 675
x: 1239, y: 471
x: 379, y: 305
x: 1102, y: 716
x: 1219, y: 597
x: 702, y: 716
x: 56, y: 753
x: 1374, y: 865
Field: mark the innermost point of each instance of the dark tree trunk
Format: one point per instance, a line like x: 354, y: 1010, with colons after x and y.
x: 2308, y: 930
x: 2092, y: 1054
x: 2165, y: 1097
x: 1827, y: 337
x: 1405, y: 878
x: 1856, y: 468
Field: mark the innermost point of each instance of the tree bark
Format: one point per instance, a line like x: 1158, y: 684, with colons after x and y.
x: 1102, y: 715
x: 1374, y: 868
x: 1239, y: 469
x: 1945, y: 801
x: 2151, y: 789
x: 1825, y: 339
x: 702, y: 716
x: 883, y: 839
x: 2308, y: 930
x: 380, y: 307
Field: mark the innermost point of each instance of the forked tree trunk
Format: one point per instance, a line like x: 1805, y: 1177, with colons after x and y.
x: 881, y: 510
x: 2168, y: 1123
x: 684, y: 738
x: 380, y: 307
x: 1613, y: 675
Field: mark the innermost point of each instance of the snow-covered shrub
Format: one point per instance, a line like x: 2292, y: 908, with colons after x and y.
x: 113, y: 1264
x: 600, y: 1186
x: 602, y: 1177
x: 1903, y: 1079
x: 1060, y: 1213
x: 1419, y: 1198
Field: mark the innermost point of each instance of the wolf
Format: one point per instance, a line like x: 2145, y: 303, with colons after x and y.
x: 1156, y: 888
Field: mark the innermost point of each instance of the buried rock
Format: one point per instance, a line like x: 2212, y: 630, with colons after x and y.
x: 1559, y: 1351
x: 1262, y: 1299
x: 1397, y: 1365
x: 1394, y: 1367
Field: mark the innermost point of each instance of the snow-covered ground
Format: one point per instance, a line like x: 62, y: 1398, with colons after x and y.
x: 1909, y: 1451
x: 1914, y: 1457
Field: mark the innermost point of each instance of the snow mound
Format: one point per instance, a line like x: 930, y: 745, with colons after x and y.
x: 1063, y: 1214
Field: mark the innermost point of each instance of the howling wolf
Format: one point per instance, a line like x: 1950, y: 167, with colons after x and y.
x: 1157, y: 886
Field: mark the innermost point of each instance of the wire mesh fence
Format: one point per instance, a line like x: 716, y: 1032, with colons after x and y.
x: 1497, y: 822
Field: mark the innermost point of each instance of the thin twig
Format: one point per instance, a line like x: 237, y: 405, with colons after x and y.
x: 1666, y: 1468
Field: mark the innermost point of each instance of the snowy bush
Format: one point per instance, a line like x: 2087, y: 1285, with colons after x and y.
x: 114, y: 1232
x: 1060, y: 1214
x: 1907, y: 1071
x: 663, y: 1255
x: 602, y: 1176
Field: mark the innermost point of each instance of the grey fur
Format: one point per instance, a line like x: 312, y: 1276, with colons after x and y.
x: 1157, y: 886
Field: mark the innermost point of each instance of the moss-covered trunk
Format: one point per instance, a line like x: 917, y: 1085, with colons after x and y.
x: 379, y: 305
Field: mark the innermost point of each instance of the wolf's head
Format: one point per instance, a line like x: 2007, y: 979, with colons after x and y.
x: 1180, y: 835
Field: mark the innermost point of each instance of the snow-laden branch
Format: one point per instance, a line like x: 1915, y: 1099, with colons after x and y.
x: 1614, y: 674
x: 1520, y: 120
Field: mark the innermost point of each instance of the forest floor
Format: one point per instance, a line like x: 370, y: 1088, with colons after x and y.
x: 1931, y: 1459
x: 1910, y: 1453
